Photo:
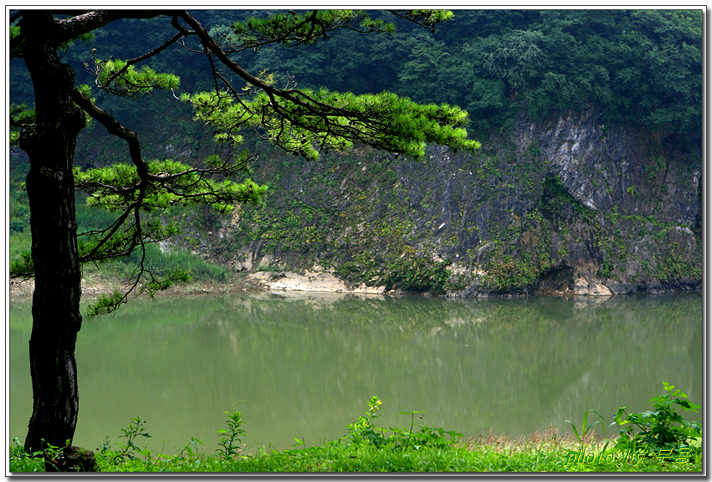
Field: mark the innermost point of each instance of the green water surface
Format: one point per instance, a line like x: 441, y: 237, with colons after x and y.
x: 304, y: 366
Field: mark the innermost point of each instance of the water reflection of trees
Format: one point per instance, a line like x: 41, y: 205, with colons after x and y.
x: 527, y: 357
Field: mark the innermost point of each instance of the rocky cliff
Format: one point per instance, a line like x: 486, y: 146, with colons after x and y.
x: 568, y: 205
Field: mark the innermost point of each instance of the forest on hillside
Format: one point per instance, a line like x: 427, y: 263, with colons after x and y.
x: 640, y: 68
x: 643, y: 66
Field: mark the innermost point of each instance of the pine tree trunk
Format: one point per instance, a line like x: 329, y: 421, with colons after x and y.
x: 50, y: 189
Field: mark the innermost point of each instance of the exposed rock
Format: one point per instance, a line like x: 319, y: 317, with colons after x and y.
x: 311, y: 281
x: 590, y: 288
x: 573, y: 204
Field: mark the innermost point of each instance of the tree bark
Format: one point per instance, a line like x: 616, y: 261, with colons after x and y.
x: 50, y: 189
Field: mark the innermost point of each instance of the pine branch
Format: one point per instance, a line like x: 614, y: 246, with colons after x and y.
x: 330, y: 120
x: 126, y: 68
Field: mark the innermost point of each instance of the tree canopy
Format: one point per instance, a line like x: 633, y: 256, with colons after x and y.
x: 642, y: 65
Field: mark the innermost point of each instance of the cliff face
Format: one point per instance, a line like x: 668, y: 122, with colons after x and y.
x: 567, y: 205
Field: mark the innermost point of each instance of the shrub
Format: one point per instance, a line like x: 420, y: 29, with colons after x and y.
x: 363, y: 432
x: 416, y: 274
x: 663, y: 428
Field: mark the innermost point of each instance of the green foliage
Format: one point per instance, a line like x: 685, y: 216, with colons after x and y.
x: 672, y: 267
x: 121, y: 78
x: 368, y: 448
x: 22, y: 461
x: 106, y: 303
x: 131, y: 433
x: 506, y: 273
x: 194, y: 266
x: 230, y: 437
x: 95, y: 247
x: 297, y: 28
x: 22, y: 266
x: 430, y: 64
x: 661, y: 433
x: 175, y: 266
x: 417, y: 274
x: 513, y: 57
x: 306, y: 121
x: 160, y: 272
x: 642, y: 65
x: 428, y: 18
x: 129, y: 453
x: 20, y: 116
x: 364, y: 432
x: 119, y: 186
x: 91, y: 218
x: 555, y: 197
x: 660, y: 428
x: 585, y: 428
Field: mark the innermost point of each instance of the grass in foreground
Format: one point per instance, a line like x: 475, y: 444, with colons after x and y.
x: 492, y: 454
x: 664, y: 443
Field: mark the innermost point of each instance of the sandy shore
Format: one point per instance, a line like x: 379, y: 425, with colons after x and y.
x: 95, y: 284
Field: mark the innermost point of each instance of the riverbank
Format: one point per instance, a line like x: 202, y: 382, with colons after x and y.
x: 95, y: 284
x: 317, y: 280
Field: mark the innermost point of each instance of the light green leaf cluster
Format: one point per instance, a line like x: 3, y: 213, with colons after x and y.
x: 22, y: 266
x: 20, y: 116
x: 430, y: 17
x: 123, y: 241
x: 106, y: 304
x: 86, y: 91
x: 307, y: 122
x: 294, y: 28
x: 513, y: 58
x: 168, y: 183
x: 119, y: 78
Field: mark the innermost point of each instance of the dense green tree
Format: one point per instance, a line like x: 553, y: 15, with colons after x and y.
x: 301, y: 121
x: 642, y: 66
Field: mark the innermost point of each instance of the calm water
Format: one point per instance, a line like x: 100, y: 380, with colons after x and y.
x: 305, y: 365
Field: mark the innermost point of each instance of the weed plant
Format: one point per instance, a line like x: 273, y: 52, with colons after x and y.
x: 230, y: 437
